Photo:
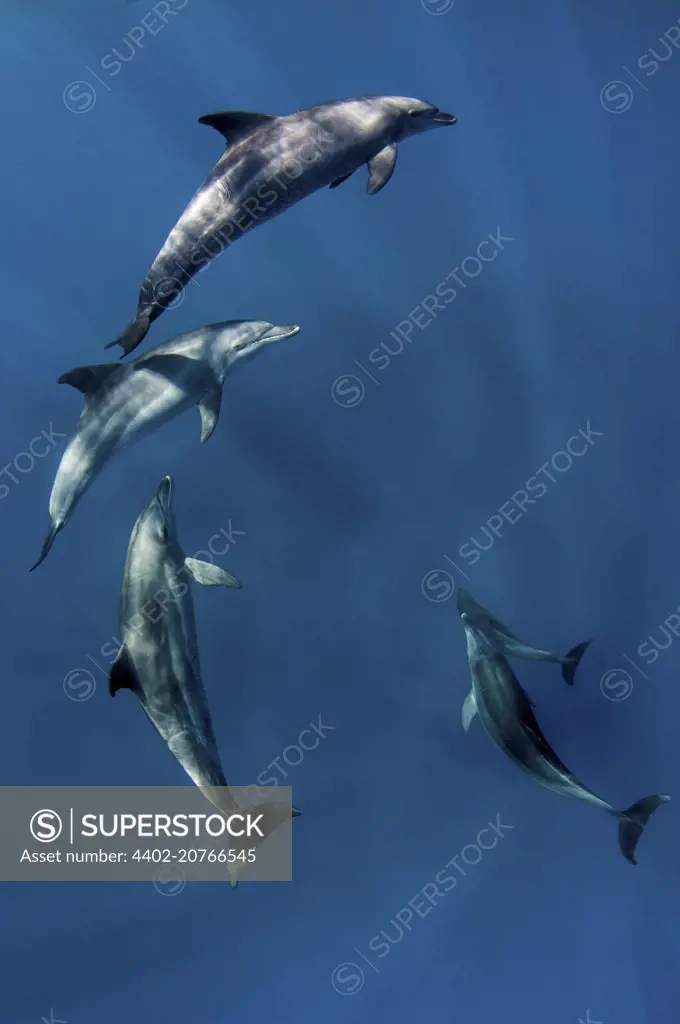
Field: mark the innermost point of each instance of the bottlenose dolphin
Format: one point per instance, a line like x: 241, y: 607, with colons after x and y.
x: 124, y: 403
x: 507, y: 644
x: 271, y: 163
x: 506, y: 713
x: 158, y: 659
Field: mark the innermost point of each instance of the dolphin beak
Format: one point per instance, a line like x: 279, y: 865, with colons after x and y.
x: 164, y: 496
x: 462, y: 600
x: 277, y: 333
x: 441, y: 118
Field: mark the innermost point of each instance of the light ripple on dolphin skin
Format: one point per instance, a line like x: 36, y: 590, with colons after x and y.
x: 252, y: 182
x: 126, y: 402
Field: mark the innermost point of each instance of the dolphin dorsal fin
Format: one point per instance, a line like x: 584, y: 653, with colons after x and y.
x: 122, y: 675
x: 88, y: 379
x: 235, y: 124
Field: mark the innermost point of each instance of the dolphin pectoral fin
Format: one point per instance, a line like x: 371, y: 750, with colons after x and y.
x: 339, y: 181
x: 234, y: 124
x: 380, y: 168
x: 633, y: 820
x: 88, y: 379
x: 573, y: 660
x: 122, y: 675
x: 209, y: 408
x: 210, y: 575
x: 469, y: 710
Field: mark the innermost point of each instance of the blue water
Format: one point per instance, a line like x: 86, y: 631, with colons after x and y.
x: 350, y: 498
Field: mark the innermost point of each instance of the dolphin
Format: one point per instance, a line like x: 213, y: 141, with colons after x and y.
x: 158, y: 659
x: 507, y: 715
x: 269, y: 164
x: 507, y: 644
x: 126, y: 402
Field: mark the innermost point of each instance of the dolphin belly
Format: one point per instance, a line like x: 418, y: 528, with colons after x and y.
x: 174, y: 701
x: 74, y: 475
x: 160, y: 638
x: 154, y: 402
x: 201, y: 770
x: 510, y: 722
x: 136, y: 407
x: 186, y: 250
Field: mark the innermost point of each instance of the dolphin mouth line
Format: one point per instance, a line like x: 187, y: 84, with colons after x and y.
x: 441, y: 118
x: 278, y: 333
x: 164, y: 496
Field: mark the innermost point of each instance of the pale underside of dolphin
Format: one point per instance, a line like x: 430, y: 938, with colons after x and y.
x: 507, y: 715
x: 505, y: 642
x: 126, y: 402
x: 159, y: 659
x: 271, y: 163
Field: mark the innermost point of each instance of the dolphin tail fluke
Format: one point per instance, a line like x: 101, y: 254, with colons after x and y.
x: 275, y: 810
x: 49, y: 541
x: 573, y: 660
x: 133, y: 335
x: 633, y: 821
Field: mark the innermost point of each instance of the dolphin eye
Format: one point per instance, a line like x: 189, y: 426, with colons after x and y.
x: 414, y: 113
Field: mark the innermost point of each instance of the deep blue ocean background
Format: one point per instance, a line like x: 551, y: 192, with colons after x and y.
x: 348, y: 511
